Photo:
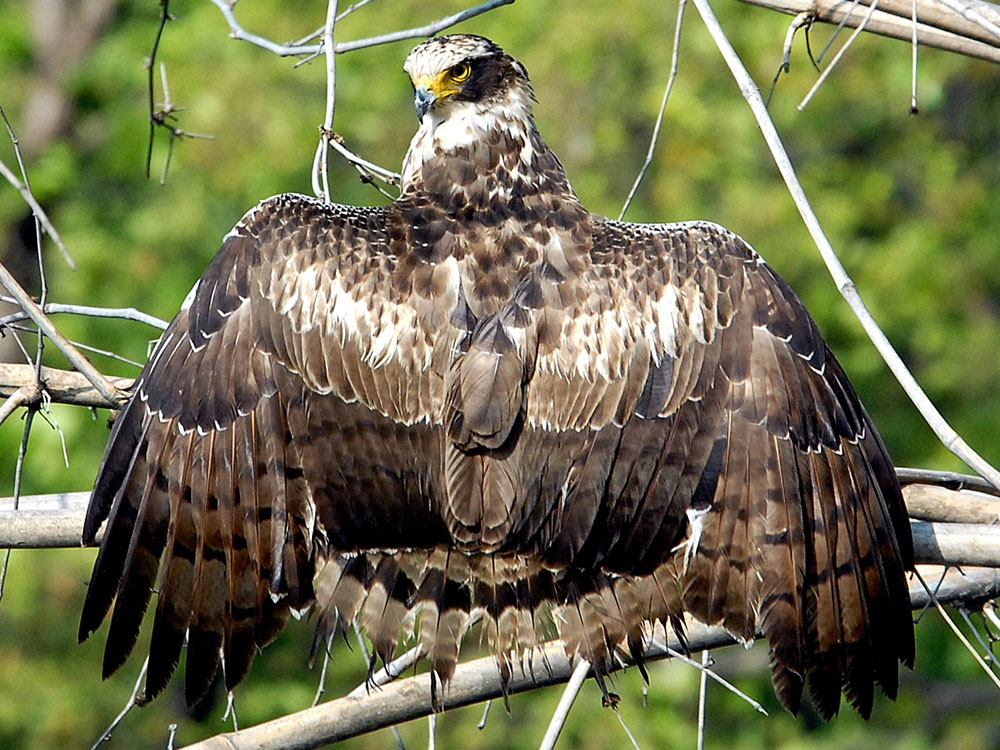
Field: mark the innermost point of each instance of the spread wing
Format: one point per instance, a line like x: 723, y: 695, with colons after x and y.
x: 286, y: 410
x: 609, y: 424
x: 731, y: 457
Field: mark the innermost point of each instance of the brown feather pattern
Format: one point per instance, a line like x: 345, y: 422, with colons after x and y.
x: 483, y: 402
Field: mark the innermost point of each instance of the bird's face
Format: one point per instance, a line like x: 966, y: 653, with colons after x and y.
x: 429, y: 89
x: 457, y: 68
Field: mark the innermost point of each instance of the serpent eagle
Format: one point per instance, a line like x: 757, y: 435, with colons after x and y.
x: 484, y: 402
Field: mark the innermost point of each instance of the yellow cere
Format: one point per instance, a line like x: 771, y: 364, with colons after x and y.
x: 445, y: 83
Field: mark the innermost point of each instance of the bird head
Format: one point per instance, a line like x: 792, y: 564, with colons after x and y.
x: 461, y: 71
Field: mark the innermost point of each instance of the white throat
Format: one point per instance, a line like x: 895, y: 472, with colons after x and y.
x: 460, y: 124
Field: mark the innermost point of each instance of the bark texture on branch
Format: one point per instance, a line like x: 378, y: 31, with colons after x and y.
x: 63, y: 386
x: 937, y: 26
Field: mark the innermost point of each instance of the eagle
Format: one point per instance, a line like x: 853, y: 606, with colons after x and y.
x: 483, y: 403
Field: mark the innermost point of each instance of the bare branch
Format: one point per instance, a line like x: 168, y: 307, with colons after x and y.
x: 136, y: 699
x: 479, y: 680
x: 946, y: 434
x: 663, y: 108
x: 81, y: 363
x: 282, y: 50
x: 979, y: 15
x: 326, y: 131
x: 390, y: 672
x: 55, y: 308
x: 936, y: 28
x: 18, y: 469
x: 964, y: 525
x: 25, y: 190
x: 40, y: 529
x: 706, y: 671
x: 948, y: 479
x: 23, y: 396
x: 421, y: 31
x: 63, y: 386
x: 956, y: 543
x: 296, y: 49
x: 929, y: 503
x: 572, y: 690
x: 363, y: 165
x: 936, y: 600
x: 702, y: 695
x: 840, y: 54
x: 57, y: 501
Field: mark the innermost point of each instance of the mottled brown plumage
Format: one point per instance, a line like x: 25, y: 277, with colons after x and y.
x: 483, y: 401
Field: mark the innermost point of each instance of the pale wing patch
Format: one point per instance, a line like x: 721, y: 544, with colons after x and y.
x: 666, y: 311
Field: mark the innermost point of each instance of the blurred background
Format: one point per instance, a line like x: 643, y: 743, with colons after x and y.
x: 911, y: 203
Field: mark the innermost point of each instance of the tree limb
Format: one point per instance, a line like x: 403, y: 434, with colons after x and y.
x: 81, y: 363
x: 936, y: 26
x: 63, y: 386
x: 479, y: 680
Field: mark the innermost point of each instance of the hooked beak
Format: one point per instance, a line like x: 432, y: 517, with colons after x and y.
x: 423, y: 100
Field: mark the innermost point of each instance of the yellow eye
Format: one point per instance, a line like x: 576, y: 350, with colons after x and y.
x: 460, y: 72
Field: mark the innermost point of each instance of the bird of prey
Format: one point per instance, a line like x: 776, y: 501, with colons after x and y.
x: 484, y: 402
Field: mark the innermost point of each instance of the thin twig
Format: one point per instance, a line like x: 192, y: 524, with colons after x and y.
x: 421, y: 31
x: 350, y: 9
x: 706, y: 672
x: 80, y: 362
x: 486, y: 714
x: 990, y: 613
x: 674, y: 56
x: 55, y: 308
x: 946, y: 434
x: 390, y: 671
x: 321, y: 687
x: 628, y: 732
x: 23, y: 395
x: 367, y: 657
x: 231, y: 710
x: 25, y: 190
x: 22, y: 451
x: 948, y: 479
x: 165, y: 115
x: 81, y: 346
x: 969, y: 13
x: 133, y: 701
x: 363, y: 165
x: 836, y: 32
x: 988, y: 655
x: 802, y: 19
x: 702, y: 695
x: 153, y: 124
x: 326, y: 131
x: 914, y: 46
x: 961, y: 636
x: 236, y: 31
x: 572, y: 689
x: 840, y: 53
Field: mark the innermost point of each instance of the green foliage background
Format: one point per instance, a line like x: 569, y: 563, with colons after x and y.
x: 911, y: 202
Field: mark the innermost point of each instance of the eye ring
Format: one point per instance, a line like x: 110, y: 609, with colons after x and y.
x: 460, y: 72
